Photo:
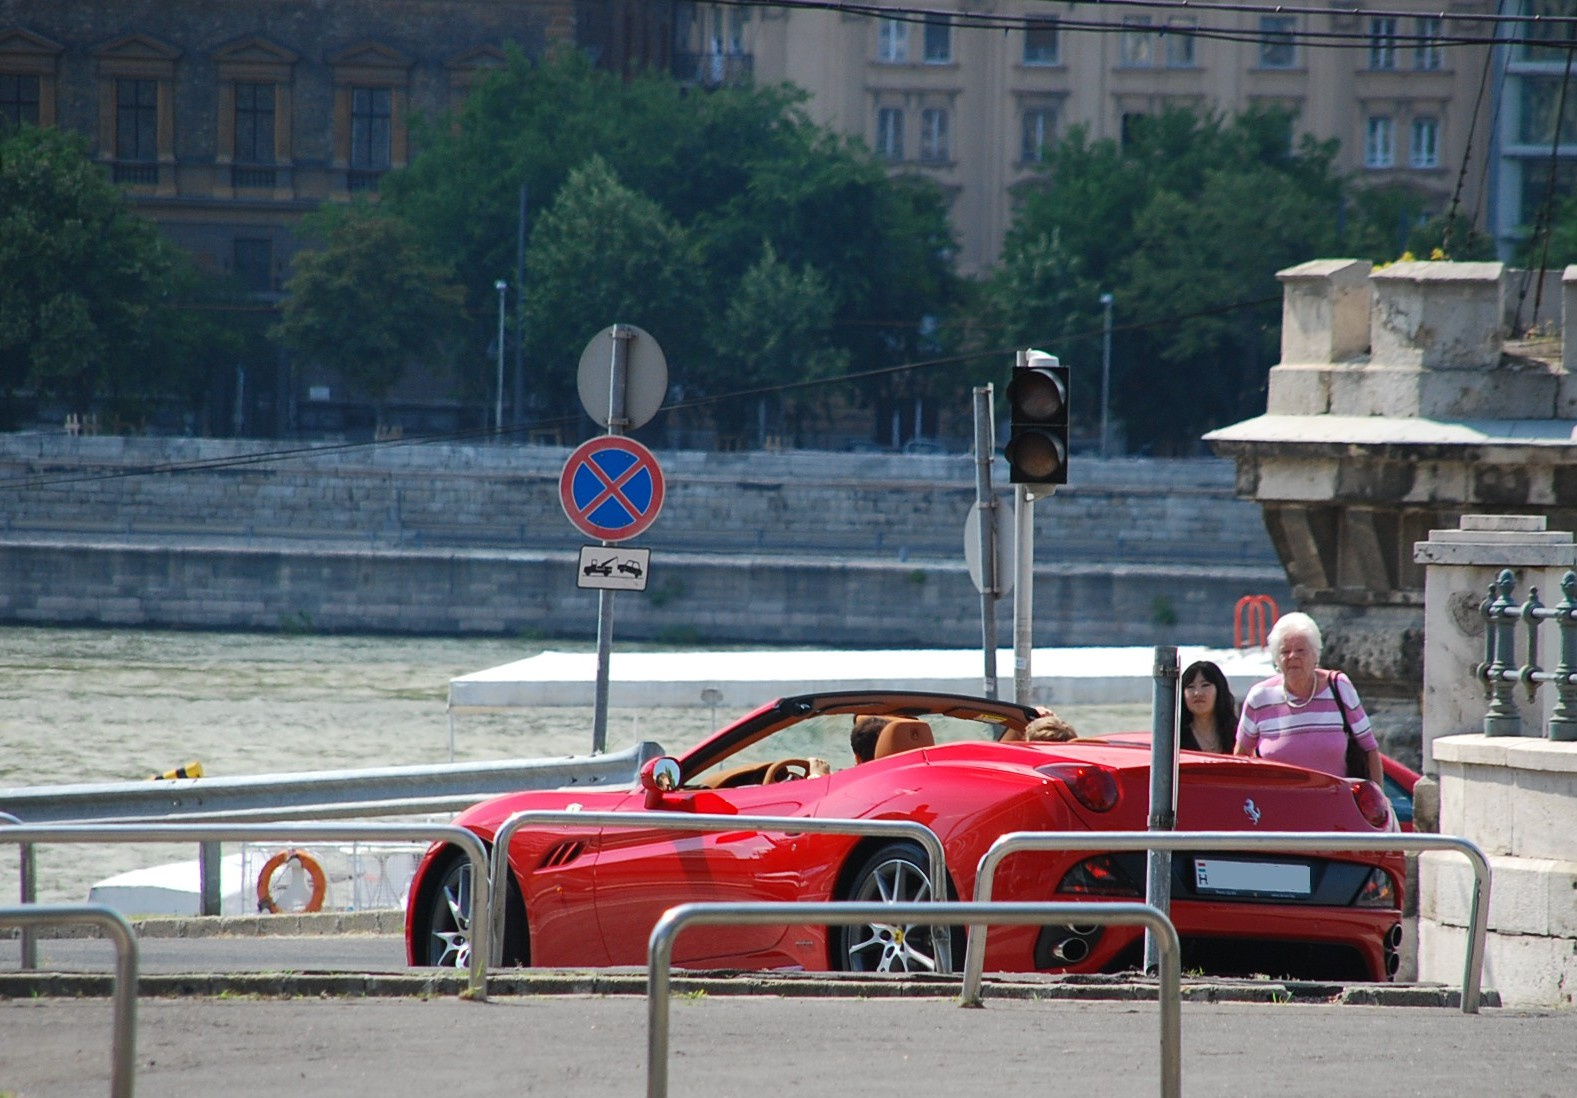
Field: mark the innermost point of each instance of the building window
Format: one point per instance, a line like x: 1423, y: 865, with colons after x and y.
x: 1040, y: 42
x: 1378, y: 146
x: 938, y: 39
x: 371, y: 110
x: 1038, y: 129
x: 136, y: 131
x: 1277, y: 47
x: 1138, y: 41
x: 1423, y: 149
x: 892, y: 41
x: 18, y: 100
x: 1427, y: 54
x: 933, y: 136
x: 1179, y: 39
x: 889, y: 133
x: 1382, y: 42
x: 254, y: 135
x: 1538, y: 106
x: 254, y: 264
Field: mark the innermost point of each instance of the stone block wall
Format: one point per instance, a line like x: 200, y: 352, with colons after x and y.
x: 794, y: 548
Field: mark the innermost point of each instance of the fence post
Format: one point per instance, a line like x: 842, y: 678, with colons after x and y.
x: 1500, y: 718
x: 1563, y: 721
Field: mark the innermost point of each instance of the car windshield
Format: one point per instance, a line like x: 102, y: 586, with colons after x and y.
x: 826, y: 736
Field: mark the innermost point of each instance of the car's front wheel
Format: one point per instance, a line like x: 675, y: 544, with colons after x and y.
x: 448, y: 907
x: 895, y: 873
x: 449, y: 916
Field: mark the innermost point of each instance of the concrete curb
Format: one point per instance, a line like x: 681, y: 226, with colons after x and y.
x: 426, y: 984
x: 286, y: 925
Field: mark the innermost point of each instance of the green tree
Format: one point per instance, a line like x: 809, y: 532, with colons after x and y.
x: 84, y: 276
x: 734, y: 169
x: 369, y: 301
x: 776, y: 330
x: 1186, y: 223
x: 603, y: 254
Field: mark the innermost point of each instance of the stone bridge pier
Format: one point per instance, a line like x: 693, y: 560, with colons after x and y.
x: 1402, y: 403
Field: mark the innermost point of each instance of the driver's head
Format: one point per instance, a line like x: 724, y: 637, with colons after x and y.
x: 863, y: 737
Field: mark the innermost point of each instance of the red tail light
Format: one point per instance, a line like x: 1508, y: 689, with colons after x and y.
x: 1372, y: 804
x: 1099, y: 876
x: 1092, y: 786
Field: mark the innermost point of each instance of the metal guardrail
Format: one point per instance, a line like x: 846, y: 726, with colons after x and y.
x: 27, y: 872
x: 684, y: 821
x: 467, y: 840
x: 124, y: 1049
x: 660, y: 952
x: 1237, y: 841
x: 393, y: 790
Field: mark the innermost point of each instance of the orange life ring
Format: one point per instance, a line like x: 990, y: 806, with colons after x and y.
x: 265, y: 880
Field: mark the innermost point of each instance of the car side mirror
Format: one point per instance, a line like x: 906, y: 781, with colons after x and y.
x: 659, y: 776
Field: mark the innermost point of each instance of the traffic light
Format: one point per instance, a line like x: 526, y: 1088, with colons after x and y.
x: 1037, y: 447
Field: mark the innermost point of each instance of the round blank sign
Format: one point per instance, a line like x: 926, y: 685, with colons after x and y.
x: 645, y: 375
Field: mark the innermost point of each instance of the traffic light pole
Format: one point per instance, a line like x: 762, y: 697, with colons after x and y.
x: 1023, y: 591
x: 985, y: 499
x: 1037, y: 456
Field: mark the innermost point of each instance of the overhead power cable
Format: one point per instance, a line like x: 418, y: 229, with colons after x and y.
x: 488, y: 433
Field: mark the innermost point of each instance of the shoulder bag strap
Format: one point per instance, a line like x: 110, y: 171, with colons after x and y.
x: 1340, y: 707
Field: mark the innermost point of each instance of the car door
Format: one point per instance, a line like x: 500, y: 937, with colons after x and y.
x: 642, y: 872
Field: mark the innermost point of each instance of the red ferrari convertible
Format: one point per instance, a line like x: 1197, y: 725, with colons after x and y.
x: 587, y: 896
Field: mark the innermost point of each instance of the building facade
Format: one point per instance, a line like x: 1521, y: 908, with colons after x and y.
x: 1535, y: 151
x: 226, y: 122
x: 970, y: 100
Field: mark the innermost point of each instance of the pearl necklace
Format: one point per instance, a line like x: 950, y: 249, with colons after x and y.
x: 1286, y: 694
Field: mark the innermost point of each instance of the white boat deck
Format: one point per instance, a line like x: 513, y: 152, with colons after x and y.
x: 739, y: 680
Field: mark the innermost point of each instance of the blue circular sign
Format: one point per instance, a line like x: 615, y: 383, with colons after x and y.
x: 611, y: 488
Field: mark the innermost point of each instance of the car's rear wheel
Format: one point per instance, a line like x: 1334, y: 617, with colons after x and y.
x: 895, y: 873
x: 449, y: 918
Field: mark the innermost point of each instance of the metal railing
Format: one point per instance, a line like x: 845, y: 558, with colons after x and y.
x: 1500, y: 671
x: 27, y: 874
x: 660, y: 952
x: 467, y: 840
x: 124, y: 1049
x: 684, y: 821
x: 308, y: 795
x: 1237, y: 841
x: 382, y: 791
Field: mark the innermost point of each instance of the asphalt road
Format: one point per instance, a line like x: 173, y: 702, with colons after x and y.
x: 727, y: 1047
x: 805, y: 1036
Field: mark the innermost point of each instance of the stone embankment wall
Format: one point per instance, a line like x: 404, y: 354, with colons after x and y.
x: 795, y: 548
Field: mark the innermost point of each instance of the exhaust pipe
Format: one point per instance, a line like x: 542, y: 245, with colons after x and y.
x: 1393, y: 937
x: 1071, y: 950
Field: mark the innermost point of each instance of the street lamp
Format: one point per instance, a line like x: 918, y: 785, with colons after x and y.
x: 1106, y: 376
x: 498, y: 409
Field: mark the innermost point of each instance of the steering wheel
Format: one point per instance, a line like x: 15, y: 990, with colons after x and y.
x: 786, y: 770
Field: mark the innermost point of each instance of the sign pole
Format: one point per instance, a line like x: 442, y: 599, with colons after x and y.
x: 988, y: 536
x: 618, y: 368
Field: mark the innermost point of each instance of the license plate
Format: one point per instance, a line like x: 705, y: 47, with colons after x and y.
x: 1217, y: 877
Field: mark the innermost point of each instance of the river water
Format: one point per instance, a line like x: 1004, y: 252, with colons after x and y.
x: 99, y: 705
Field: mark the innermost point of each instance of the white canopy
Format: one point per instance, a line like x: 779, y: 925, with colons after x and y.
x: 738, y: 680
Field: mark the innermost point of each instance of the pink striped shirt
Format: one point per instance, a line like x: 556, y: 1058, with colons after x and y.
x: 1309, y: 736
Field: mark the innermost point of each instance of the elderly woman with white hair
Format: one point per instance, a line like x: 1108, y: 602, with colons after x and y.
x: 1296, y: 716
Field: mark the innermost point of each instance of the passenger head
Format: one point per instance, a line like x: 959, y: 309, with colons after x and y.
x: 1049, y: 729
x: 863, y: 736
x: 1205, y: 690
x: 1293, y: 626
x: 1046, y: 728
